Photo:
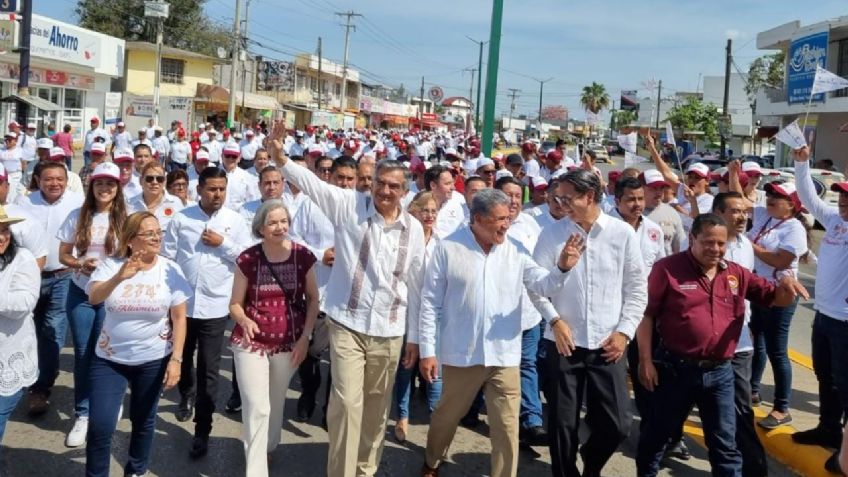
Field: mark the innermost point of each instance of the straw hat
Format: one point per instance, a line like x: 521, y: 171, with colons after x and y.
x: 5, y: 219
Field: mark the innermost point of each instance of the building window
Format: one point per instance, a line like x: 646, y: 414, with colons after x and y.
x: 172, y: 71
x: 338, y: 91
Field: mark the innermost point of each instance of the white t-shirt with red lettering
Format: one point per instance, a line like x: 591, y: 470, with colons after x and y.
x: 97, y: 247
x: 137, y: 328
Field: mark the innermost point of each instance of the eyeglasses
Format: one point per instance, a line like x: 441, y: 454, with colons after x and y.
x: 151, y: 234
x: 178, y: 185
x: 563, y: 200
x: 151, y: 179
x: 488, y: 172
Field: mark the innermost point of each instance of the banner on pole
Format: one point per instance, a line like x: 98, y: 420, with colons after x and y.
x: 669, y: 135
x: 826, y: 81
x: 628, y: 142
x: 806, y: 55
x: 792, y: 136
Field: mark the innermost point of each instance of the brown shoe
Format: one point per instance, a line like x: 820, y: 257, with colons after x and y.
x: 37, y: 403
x: 401, y: 429
x: 427, y: 471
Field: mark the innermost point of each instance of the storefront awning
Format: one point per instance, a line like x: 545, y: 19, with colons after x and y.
x: 34, y: 101
x: 216, y: 94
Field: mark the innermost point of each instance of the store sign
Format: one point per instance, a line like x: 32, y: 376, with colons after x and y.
x: 12, y: 71
x: 59, y: 41
x: 805, y: 55
x: 112, y: 108
x: 8, y: 35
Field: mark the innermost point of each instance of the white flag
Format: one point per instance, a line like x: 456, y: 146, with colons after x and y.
x: 826, y: 81
x: 628, y: 142
x: 631, y: 159
x: 669, y: 135
x: 792, y: 136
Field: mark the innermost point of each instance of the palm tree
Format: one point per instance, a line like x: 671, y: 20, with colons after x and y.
x: 594, y: 98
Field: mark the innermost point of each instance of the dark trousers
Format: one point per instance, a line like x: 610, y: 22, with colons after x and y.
x: 205, y: 336
x: 110, y: 380
x: 607, y: 408
x: 51, y: 325
x: 830, y: 356
x: 770, y: 330
x: 681, y: 384
x: 754, y: 463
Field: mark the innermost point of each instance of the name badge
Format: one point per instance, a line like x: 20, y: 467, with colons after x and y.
x: 689, y: 286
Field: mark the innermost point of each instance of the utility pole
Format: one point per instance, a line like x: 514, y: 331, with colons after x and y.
x: 725, y: 116
x: 512, y: 105
x: 22, y: 109
x: 492, y: 76
x: 244, y: 63
x: 350, y: 15
x: 159, y: 12
x: 659, y: 102
x: 471, y: 88
x: 421, y: 104
x: 479, y: 84
x: 541, y: 91
x: 231, y: 106
x: 320, y: 55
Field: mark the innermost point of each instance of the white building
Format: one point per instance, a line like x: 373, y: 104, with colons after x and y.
x: 457, y: 111
x: 71, y: 67
x: 824, y: 43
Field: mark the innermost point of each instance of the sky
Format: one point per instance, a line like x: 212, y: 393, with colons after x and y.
x: 620, y: 44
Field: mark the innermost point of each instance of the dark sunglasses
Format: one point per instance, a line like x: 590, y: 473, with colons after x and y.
x: 151, y: 179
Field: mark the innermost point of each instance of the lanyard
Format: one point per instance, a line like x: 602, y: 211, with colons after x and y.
x: 763, y: 232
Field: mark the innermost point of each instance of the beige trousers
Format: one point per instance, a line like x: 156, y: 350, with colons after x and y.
x: 363, y: 372
x: 263, y: 382
x: 502, y: 388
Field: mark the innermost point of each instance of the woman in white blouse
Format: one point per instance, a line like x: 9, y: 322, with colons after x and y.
x: 423, y: 207
x: 141, y: 342
x: 154, y: 198
x: 20, y: 280
x: 89, y: 235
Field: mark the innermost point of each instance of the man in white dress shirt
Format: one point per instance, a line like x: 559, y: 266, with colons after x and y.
x: 379, y: 256
x: 550, y: 211
x: 471, y: 324
x: 440, y: 181
x: 600, y: 307
x: 50, y: 206
x: 205, y: 240
x: 95, y: 134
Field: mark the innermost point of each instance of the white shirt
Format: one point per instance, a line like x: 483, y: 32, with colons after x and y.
x: 28, y: 234
x: 472, y: 304
x: 607, y: 290
x: 831, y: 300
x: 215, y: 149
x: 651, y: 240
x: 450, y: 217
x: 122, y: 140
x: 531, y: 168
x: 741, y: 252
x: 705, y: 205
x: 542, y: 215
x: 27, y: 145
x: 99, y: 229
x: 180, y: 152
x: 248, y: 150
x: 164, y: 212
x: 310, y: 227
x: 136, y: 142
x: 162, y: 145
x: 209, y: 270
x: 11, y: 158
x: 774, y: 234
x: 238, y: 188
x: 137, y: 329
x: 91, y: 135
x: 193, y: 181
x: 50, y: 217
x: 21, y: 283
x: 296, y: 149
x: 526, y: 231
x: 132, y: 189
x: 368, y: 294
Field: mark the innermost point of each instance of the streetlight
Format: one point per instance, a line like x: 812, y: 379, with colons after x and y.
x: 157, y: 10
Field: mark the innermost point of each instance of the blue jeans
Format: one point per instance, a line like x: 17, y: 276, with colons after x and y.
x: 830, y: 353
x: 85, y: 321
x: 111, y: 380
x: 86, y: 157
x: 403, y: 388
x: 531, y: 404
x: 7, y: 405
x: 51, y: 324
x: 770, y: 330
x: 680, y: 385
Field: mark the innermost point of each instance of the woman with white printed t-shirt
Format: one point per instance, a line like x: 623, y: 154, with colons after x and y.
x: 89, y: 235
x: 141, y: 342
x: 778, y: 239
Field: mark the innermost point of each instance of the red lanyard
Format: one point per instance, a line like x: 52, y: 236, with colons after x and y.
x: 764, y: 232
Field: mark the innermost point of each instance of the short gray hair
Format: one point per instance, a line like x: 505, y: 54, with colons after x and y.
x: 486, y: 200
x: 262, y: 215
x: 583, y: 181
x: 390, y: 165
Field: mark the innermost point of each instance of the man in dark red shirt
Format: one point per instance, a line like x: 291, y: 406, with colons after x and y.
x: 696, y: 304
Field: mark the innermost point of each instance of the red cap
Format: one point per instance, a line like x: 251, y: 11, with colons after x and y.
x: 743, y: 178
x: 528, y: 147
x: 474, y: 151
x: 841, y: 187
x: 538, y: 183
x: 613, y: 176
x: 785, y: 190
x: 195, y: 134
x: 554, y: 155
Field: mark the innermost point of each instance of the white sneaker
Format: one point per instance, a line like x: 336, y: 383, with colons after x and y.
x: 77, y: 435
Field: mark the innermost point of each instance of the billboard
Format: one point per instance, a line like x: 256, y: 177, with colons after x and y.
x: 629, y: 100
x: 806, y: 53
x: 275, y: 76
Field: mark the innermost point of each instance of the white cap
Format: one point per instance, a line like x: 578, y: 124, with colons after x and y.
x: 249, y: 132
x: 124, y: 155
x: 654, y: 178
x: 44, y: 143
x: 231, y: 149
x: 57, y: 153
x: 106, y: 170
x: 143, y: 130
x: 11, y: 134
x: 201, y: 156
x: 451, y: 152
x: 315, y: 150
x: 537, y: 182
x: 700, y: 169
x: 502, y: 173
x: 752, y: 168
x: 120, y: 124
x: 157, y: 128
x: 484, y: 161
x: 98, y: 147
x: 31, y: 126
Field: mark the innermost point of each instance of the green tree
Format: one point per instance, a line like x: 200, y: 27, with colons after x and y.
x: 187, y: 26
x: 623, y: 118
x: 594, y: 98
x: 695, y: 115
x: 765, y: 72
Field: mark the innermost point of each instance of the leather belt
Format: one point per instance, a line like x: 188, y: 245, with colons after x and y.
x: 53, y: 273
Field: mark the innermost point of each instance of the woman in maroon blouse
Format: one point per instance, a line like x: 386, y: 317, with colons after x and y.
x: 275, y: 304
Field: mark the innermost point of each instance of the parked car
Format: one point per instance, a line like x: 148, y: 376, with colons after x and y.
x: 600, y: 152
x: 822, y: 179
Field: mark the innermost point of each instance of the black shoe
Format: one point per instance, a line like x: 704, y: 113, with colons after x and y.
x: 818, y: 437
x: 305, y: 407
x: 233, y: 404
x: 533, y: 436
x: 678, y: 450
x: 832, y: 464
x: 199, y: 447
x: 470, y: 421
x: 185, y: 410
